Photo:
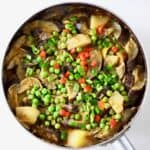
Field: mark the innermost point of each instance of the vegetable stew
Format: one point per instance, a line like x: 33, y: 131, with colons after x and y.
x: 74, y: 75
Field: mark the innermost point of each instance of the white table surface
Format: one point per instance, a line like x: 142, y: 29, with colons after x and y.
x: 14, y: 12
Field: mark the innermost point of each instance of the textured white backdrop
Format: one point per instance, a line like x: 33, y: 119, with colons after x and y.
x: 13, y: 13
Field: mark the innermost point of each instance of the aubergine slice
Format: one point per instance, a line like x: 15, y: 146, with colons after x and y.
x: 27, y: 83
x: 45, y: 26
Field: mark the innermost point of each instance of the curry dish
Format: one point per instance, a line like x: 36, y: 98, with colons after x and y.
x: 74, y: 75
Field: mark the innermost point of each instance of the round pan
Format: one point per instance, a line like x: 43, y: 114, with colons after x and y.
x: 64, y: 9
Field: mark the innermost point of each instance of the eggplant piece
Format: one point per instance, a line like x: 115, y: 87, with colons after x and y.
x: 120, y: 70
x: 139, y: 78
x: 12, y: 96
x: 116, y: 101
x: 128, y: 80
x: 131, y: 49
x: 78, y: 40
x: 45, y: 133
x: 27, y: 83
x: 98, y: 20
x: 128, y: 114
x: 124, y: 36
x: 95, y: 55
x: 13, y: 58
x: 78, y: 138
x: 27, y: 114
x: 83, y: 27
x: 46, y: 26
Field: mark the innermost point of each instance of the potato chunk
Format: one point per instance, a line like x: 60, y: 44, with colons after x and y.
x: 27, y: 114
x: 116, y: 102
x: 78, y: 40
x: 77, y: 138
x: 98, y: 20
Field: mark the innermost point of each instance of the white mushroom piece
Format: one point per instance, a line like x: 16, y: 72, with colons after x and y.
x: 120, y: 69
x: 27, y: 114
x: 72, y: 89
x: 98, y: 20
x: 116, y: 101
x: 12, y: 96
x: 27, y: 83
x: 114, y: 29
x: 95, y: 55
x: 131, y: 49
x: 139, y: 78
x: 78, y: 40
x: 46, y: 26
x: 78, y: 138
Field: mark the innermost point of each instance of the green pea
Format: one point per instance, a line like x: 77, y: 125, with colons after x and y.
x: 55, y: 115
x: 55, y: 33
x: 109, y: 93
x: 63, y: 90
x: 122, y: 88
x: 88, y: 127
x: 35, y: 101
x: 74, y: 31
x: 94, y: 72
x: 62, y: 100
x: 49, y: 118
x: 93, y: 32
x: 124, y: 93
x: 44, y: 74
x: 53, y: 122
x: 57, y: 71
x: 59, y: 119
x: 38, y: 59
x: 107, y: 105
x: 71, y: 77
x: 118, y: 116
x: 94, y: 38
x: 106, y: 128
x: 60, y: 86
x: 38, y: 93
x: 93, y: 125
x: 77, y: 76
x: 111, y: 112
x: 51, y: 69
x: 89, y: 81
x: 47, y: 123
x: 52, y: 62
x: 44, y: 91
x: 46, y: 99
x: 30, y: 96
x: 51, y: 108
x: 62, y: 45
x: 69, y: 36
x: 68, y: 60
x: 29, y: 71
x: 56, y: 101
x: 72, y: 123
x: 86, y: 117
x: 49, y: 79
x: 105, y: 99
x: 57, y: 126
x: 42, y: 117
x: 69, y: 26
x: 72, y: 116
x: 58, y: 107
x: 77, y: 116
x: 79, y: 49
x: 102, y: 125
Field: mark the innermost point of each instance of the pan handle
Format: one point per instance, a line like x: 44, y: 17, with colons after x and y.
x: 122, y: 143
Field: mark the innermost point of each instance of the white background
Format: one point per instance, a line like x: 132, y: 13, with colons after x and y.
x: 14, y: 12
